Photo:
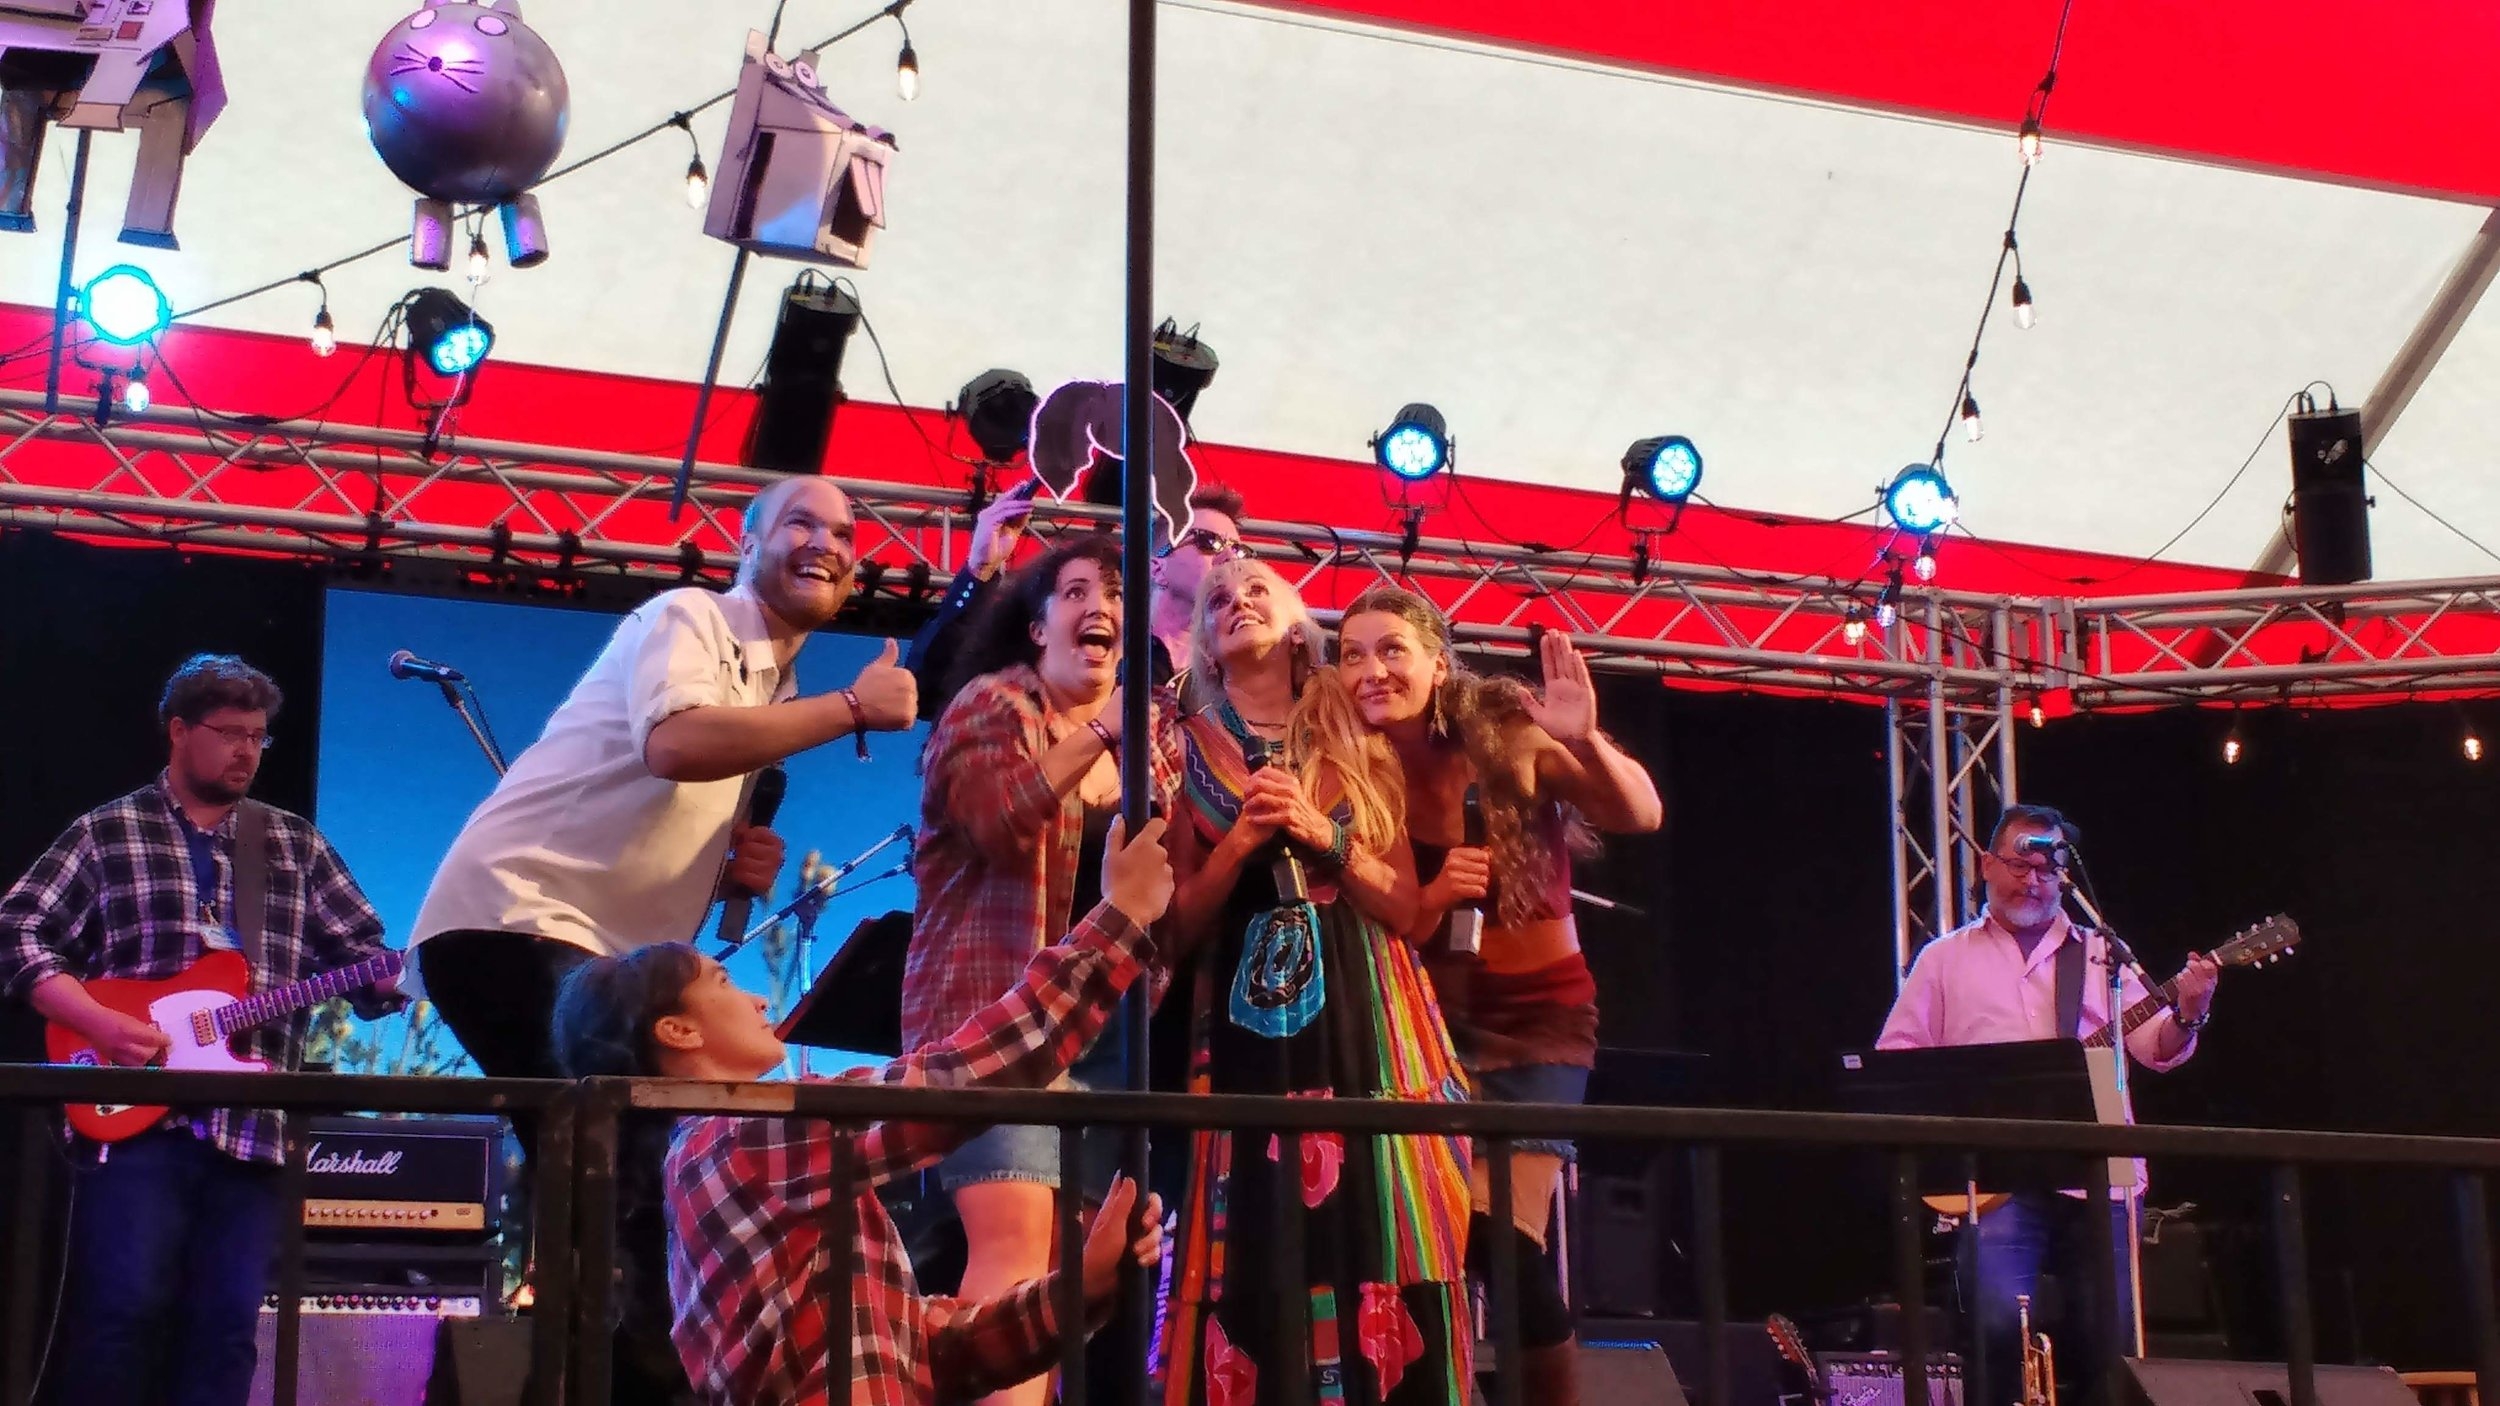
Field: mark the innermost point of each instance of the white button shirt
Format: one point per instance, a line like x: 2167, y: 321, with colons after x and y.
x: 580, y: 842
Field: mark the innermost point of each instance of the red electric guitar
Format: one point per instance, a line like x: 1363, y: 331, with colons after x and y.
x: 201, y: 1011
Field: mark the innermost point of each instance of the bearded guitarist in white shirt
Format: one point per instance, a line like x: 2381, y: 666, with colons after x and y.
x: 1995, y: 981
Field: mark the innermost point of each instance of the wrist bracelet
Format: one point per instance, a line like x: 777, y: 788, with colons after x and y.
x: 2191, y: 1026
x: 1340, y: 844
x: 859, y: 720
x: 1109, y: 742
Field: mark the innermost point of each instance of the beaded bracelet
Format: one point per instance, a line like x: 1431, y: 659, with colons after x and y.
x: 859, y: 721
x: 1109, y: 742
x: 1340, y: 845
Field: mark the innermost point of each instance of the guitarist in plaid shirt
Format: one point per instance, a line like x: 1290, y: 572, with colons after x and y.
x: 746, y: 1195
x: 172, y: 1232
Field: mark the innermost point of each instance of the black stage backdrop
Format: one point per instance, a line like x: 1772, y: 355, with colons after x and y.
x: 1768, y: 941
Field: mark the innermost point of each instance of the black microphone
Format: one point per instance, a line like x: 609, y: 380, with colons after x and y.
x: 1467, y: 919
x: 2055, y: 847
x: 1292, y: 886
x: 771, y: 784
x: 405, y: 665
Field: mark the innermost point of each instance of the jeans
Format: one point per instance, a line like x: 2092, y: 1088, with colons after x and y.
x: 171, y: 1246
x: 2033, y: 1234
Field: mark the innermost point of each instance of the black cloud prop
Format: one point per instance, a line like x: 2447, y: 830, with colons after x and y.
x: 1077, y: 428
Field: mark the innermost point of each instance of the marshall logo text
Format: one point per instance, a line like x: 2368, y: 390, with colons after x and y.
x: 352, y: 1163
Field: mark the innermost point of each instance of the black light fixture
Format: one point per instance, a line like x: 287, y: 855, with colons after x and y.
x: 2330, y: 504
x: 802, y: 377
x: 1183, y: 366
x: 446, y: 332
x: 997, y: 407
x: 1416, y: 445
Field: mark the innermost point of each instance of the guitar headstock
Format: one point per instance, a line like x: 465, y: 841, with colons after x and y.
x: 2269, y: 941
x: 1790, y: 1342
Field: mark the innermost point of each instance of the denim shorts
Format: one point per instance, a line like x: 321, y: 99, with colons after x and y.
x: 1017, y: 1153
x: 1534, y: 1083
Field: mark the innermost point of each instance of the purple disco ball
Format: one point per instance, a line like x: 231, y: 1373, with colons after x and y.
x: 464, y: 102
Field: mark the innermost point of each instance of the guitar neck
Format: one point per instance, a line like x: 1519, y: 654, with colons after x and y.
x: 280, y: 1002
x: 2161, y: 999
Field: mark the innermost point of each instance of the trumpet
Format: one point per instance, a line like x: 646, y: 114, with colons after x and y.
x: 2039, y: 1361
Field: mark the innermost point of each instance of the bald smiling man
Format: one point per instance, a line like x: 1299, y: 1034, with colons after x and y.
x: 620, y: 825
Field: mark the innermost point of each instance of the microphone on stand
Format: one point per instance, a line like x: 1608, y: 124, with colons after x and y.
x: 771, y: 784
x: 1292, y: 885
x: 406, y: 665
x: 2055, y: 847
x: 1467, y: 919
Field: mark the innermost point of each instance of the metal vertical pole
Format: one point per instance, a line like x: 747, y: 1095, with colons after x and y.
x: 1909, y: 1275
x: 1947, y: 904
x: 1137, y: 440
x: 1896, y: 743
x: 551, y: 1235
x: 287, y: 1361
x: 2482, y: 1320
x: 69, y: 261
x: 1501, y: 1288
x: 2001, y: 630
x: 1710, y: 1266
x: 2291, y: 1285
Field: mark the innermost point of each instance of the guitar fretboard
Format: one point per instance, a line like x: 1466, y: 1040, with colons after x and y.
x: 295, y: 996
x: 2162, y: 998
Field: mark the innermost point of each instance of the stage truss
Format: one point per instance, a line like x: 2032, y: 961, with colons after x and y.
x: 1956, y: 673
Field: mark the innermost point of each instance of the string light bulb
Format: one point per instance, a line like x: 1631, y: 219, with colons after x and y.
x: 1853, y: 625
x: 2027, y: 141
x: 2472, y: 743
x: 698, y: 180
x: 325, y: 333
x: 135, y: 397
x: 1888, y: 605
x: 1923, y: 565
x: 906, y: 64
x: 1970, y: 417
x: 2231, y: 746
x: 2039, y: 714
x: 477, y: 256
x: 2023, y: 314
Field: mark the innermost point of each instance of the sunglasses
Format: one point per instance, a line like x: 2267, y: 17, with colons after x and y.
x: 1220, y: 547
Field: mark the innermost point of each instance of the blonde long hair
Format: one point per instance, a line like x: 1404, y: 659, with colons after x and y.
x: 1325, y: 738
x: 1530, y: 837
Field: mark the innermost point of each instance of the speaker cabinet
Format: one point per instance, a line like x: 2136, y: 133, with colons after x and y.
x: 2156, y: 1382
x: 1611, y: 1374
x: 1877, y: 1379
x: 350, y: 1358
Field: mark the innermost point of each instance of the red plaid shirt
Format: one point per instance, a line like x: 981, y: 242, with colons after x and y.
x: 747, y: 1197
x: 997, y: 852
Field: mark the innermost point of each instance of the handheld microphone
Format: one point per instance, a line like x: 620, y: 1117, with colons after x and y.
x: 771, y: 784
x: 406, y: 665
x: 2055, y: 847
x: 1467, y: 919
x: 1292, y: 885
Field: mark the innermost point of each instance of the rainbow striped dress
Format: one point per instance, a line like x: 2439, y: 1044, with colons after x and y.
x: 1367, y: 1302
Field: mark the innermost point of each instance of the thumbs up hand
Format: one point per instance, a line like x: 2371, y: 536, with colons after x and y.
x: 888, y: 695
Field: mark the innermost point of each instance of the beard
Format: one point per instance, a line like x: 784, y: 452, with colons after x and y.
x: 2026, y: 911
x: 216, y: 789
x: 804, y: 611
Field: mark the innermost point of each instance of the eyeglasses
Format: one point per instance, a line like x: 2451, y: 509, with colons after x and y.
x: 1214, y: 544
x: 240, y: 736
x: 2032, y: 867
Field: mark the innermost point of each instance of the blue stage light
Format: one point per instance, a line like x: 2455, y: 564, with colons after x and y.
x: 1416, y: 445
x: 1667, y: 465
x: 122, y: 305
x: 448, y: 333
x: 1920, y: 501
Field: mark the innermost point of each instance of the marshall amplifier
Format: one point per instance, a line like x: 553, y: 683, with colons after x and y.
x: 434, y: 1178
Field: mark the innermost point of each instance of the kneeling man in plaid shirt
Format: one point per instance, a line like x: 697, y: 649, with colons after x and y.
x: 746, y: 1196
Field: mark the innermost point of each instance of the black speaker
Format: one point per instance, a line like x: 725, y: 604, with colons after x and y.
x: 355, y: 1356
x: 1611, y: 1374
x: 2330, y: 502
x: 1619, y: 1245
x: 2155, y: 1382
x: 480, y: 1362
x: 802, y: 378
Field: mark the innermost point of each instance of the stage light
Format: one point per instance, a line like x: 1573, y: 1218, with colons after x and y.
x: 477, y: 257
x: 135, y: 397
x: 2027, y: 141
x: 1416, y: 445
x: 1668, y: 466
x: 802, y: 377
x: 448, y: 333
x: 997, y: 407
x: 1920, y: 501
x: 1970, y: 417
x: 2023, y: 315
x: 1183, y: 366
x: 123, y: 306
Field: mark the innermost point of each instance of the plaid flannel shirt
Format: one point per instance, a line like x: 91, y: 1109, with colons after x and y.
x: 115, y: 896
x: 746, y: 1199
x: 996, y: 856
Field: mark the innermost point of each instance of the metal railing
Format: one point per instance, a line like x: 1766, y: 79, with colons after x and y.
x: 579, y: 1140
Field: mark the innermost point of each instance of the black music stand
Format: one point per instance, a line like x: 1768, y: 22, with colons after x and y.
x: 2042, y: 1079
x: 856, y: 1002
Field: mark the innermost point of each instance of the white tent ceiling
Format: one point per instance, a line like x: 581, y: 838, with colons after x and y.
x: 1563, y: 257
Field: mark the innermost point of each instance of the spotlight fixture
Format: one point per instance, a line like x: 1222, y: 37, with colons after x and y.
x: 2023, y: 315
x: 448, y: 333
x: 1970, y: 417
x: 1416, y: 445
x: 135, y: 397
x: 997, y: 407
x: 906, y: 64
x: 1183, y: 366
x: 1667, y: 466
x: 123, y: 306
x: 1920, y: 501
x: 802, y: 377
x: 2027, y: 141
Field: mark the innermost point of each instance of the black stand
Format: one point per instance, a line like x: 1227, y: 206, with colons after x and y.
x: 856, y: 1003
x: 474, y: 716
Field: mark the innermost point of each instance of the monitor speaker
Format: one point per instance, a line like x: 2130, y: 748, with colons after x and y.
x: 2156, y: 1382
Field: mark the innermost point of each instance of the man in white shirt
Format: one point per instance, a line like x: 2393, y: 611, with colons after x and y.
x: 1996, y: 981
x: 620, y: 825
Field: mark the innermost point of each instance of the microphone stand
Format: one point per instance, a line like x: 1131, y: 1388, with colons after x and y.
x: 474, y: 717
x: 2120, y: 959
x: 806, y: 907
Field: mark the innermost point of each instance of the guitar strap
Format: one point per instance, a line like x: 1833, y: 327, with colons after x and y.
x: 251, y: 882
x: 2070, y: 983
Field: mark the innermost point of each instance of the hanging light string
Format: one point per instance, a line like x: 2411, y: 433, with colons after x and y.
x: 1964, y: 409
x: 893, y: 11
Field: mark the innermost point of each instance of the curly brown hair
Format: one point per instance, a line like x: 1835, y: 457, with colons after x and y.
x: 1531, y: 837
x: 208, y: 682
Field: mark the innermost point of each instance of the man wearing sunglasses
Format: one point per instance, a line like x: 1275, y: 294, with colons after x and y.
x: 1214, y: 534
x: 2010, y: 976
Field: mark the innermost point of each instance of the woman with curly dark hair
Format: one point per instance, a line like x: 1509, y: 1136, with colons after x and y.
x: 1021, y: 782
x: 1522, y: 1006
